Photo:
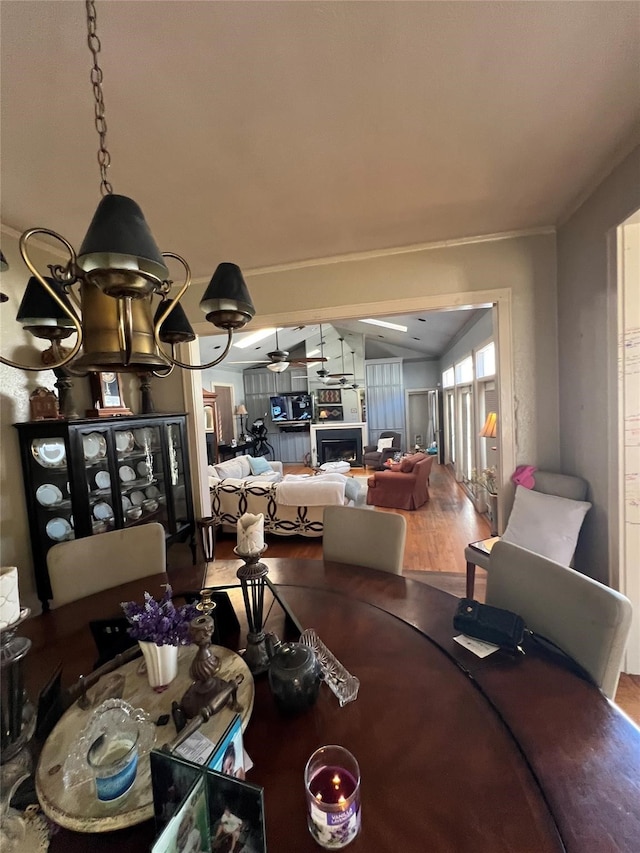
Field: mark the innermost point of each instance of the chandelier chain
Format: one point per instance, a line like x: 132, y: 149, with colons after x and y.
x: 104, y: 158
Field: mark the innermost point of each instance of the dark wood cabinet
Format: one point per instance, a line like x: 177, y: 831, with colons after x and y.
x: 87, y: 476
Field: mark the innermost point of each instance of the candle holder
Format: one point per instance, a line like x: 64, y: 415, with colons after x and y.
x: 18, y: 714
x: 252, y: 580
x: 332, y: 788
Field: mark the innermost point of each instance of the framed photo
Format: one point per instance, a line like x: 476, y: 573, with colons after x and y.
x: 106, y: 391
x: 329, y: 395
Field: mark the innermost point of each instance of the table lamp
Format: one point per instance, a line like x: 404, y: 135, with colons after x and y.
x: 241, y: 412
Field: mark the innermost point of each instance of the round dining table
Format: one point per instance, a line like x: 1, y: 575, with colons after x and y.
x: 457, y: 753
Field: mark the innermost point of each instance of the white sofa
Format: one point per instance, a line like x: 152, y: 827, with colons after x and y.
x: 293, y: 506
x: 240, y: 469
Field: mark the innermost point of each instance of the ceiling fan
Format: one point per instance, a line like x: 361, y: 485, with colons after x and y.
x: 278, y: 360
x: 342, y: 376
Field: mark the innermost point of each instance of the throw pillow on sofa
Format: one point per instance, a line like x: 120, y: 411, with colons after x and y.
x: 259, y: 465
x: 408, y: 463
x: 384, y: 444
x: 232, y: 468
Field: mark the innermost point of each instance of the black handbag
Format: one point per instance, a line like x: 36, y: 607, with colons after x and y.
x: 491, y: 624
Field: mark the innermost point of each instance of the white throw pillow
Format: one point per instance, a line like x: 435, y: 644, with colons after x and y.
x: 546, y: 524
x: 230, y: 468
x: 384, y: 443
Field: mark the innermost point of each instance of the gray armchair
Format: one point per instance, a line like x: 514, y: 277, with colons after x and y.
x: 374, y: 458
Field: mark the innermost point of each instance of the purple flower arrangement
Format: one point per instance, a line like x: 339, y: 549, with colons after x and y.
x: 159, y: 622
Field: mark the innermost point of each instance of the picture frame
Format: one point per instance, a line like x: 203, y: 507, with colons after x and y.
x: 106, y: 391
x: 329, y: 395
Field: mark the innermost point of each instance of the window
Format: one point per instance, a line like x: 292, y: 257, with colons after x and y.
x: 486, y: 361
x: 448, y: 378
x: 464, y: 371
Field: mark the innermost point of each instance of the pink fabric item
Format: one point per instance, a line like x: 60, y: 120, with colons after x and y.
x: 523, y: 476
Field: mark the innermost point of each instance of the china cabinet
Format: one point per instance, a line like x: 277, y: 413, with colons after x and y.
x: 87, y: 476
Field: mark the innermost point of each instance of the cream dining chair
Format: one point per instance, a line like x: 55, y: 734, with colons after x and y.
x: 537, y: 523
x: 588, y: 620
x: 82, y: 567
x: 364, y: 537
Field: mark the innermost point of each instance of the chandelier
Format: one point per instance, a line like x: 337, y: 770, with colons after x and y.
x: 105, y: 292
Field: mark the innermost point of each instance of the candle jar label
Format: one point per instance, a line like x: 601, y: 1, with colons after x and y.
x: 333, y: 830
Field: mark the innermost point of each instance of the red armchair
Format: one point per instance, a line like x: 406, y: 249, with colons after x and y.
x: 404, y: 486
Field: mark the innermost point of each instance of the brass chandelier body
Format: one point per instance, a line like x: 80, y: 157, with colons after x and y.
x: 106, y: 291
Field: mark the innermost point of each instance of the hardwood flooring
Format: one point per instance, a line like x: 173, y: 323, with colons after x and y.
x: 437, y: 535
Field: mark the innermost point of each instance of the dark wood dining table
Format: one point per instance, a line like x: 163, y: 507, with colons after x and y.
x: 457, y: 753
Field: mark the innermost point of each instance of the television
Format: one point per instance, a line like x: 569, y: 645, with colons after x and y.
x: 291, y: 407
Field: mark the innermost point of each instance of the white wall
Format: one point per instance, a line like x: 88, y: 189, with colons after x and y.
x: 588, y: 350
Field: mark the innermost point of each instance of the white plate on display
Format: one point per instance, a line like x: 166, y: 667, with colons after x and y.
x: 137, y: 497
x: 48, y: 495
x: 49, y: 452
x: 142, y: 468
x: 103, y: 480
x: 126, y: 503
x: 144, y: 437
x: 152, y: 492
x: 95, y: 446
x: 124, y: 441
x: 102, y: 511
x: 127, y: 474
x: 58, y: 529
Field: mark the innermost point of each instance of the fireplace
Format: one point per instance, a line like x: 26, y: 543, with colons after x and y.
x: 337, y: 445
x: 339, y: 450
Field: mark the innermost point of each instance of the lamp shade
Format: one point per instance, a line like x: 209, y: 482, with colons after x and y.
x: 119, y: 237
x: 278, y: 366
x: 176, y: 329
x: 38, y: 308
x: 490, y: 425
x: 226, y: 301
x: 241, y: 409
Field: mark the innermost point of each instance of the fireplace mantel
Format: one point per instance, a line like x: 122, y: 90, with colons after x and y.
x: 334, y: 427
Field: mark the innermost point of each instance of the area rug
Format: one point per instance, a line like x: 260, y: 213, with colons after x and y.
x: 451, y: 582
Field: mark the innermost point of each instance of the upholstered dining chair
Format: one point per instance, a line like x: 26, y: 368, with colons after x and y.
x: 548, y: 526
x: 82, y: 567
x: 364, y: 537
x: 374, y: 458
x: 588, y: 620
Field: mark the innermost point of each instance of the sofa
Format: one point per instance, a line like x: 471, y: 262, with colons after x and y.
x: 294, y: 505
x: 242, y: 467
x: 404, y: 485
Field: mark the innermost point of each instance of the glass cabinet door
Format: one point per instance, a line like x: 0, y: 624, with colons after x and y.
x: 94, y: 447
x: 177, y: 477
x: 51, y: 492
x: 141, y: 485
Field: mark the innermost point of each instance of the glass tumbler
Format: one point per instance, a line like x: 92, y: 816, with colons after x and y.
x: 332, y: 787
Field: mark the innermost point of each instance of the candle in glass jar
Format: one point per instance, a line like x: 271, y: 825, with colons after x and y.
x: 9, y: 598
x: 332, y: 780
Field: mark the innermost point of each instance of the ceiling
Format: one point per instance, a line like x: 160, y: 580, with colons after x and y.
x: 428, y: 335
x: 272, y: 132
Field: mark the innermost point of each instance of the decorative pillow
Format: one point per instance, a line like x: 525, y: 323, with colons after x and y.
x: 230, y: 468
x: 259, y: 465
x: 546, y: 524
x: 384, y: 443
x: 395, y: 466
x: 407, y: 464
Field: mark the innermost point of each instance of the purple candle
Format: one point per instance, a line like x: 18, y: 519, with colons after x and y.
x: 332, y: 782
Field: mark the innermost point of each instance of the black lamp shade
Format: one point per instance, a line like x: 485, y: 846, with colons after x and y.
x: 38, y: 308
x: 119, y: 228
x: 228, y: 292
x: 176, y: 329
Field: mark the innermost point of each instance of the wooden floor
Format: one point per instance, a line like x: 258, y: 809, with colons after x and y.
x: 437, y: 535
